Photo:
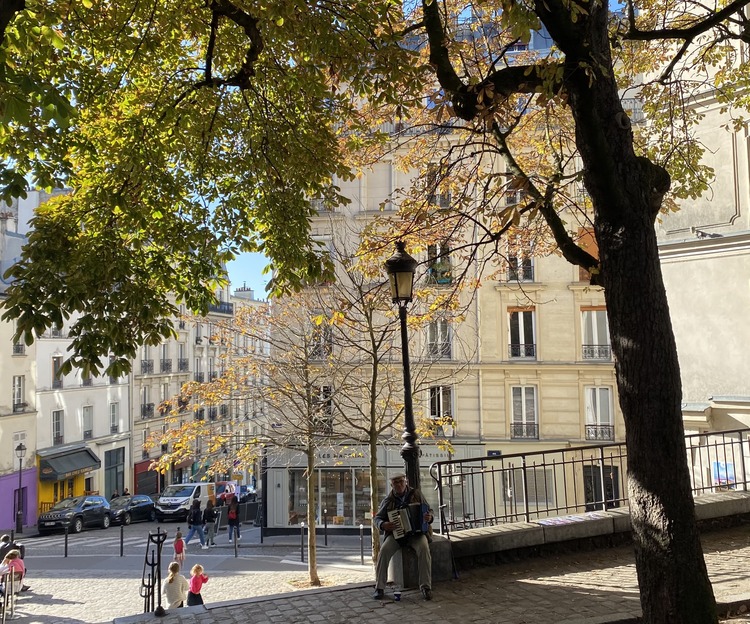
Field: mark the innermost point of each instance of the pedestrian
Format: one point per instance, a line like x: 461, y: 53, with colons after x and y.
x: 209, y: 520
x: 400, y: 497
x: 12, y: 563
x: 195, y: 524
x: 176, y: 587
x: 115, y: 494
x: 179, y: 548
x: 197, y: 579
x: 233, y: 518
x: 126, y: 492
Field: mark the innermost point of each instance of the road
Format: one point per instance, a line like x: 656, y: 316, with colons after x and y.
x: 94, y: 584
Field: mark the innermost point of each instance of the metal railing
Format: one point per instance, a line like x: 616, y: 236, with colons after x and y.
x: 520, y: 350
x: 182, y: 365
x: 166, y: 365
x: 524, y: 431
x: 147, y: 367
x: 221, y: 308
x: 494, y: 490
x: 596, y: 352
x: 600, y: 432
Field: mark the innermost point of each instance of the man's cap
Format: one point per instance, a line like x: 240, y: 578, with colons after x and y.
x: 398, y: 475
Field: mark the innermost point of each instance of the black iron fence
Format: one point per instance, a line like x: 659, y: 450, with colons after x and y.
x: 492, y: 490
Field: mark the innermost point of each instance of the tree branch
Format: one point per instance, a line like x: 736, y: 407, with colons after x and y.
x: 249, y: 24
x: 701, y: 26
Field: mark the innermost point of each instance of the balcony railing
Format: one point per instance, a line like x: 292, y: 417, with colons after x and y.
x: 440, y: 350
x: 165, y: 365
x: 527, y: 431
x: 200, y: 414
x: 521, y: 273
x: 213, y: 375
x: 596, y: 352
x: 87, y: 381
x: 114, y: 428
x: 183, y: 365
x: 600, y: 432
x: 497, y: 489
x: 147, y: 410
x: 200, y: 377
x: 147, y: 367
x: 221, y: 308
x: 19, y: 348
x: 522, y: 350
x: 213, y: 412
x: 57, y: 440
x: 57, y: 383
x: 19, y: 407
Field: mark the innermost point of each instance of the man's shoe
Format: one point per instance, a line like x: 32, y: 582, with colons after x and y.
x: 204, y: 547
x: 379, y: 594
x: 426, y: 593
x: 25, y: 588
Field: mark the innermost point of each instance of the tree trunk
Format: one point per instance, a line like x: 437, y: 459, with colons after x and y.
x: 312, y: 556
x: 374, y: 494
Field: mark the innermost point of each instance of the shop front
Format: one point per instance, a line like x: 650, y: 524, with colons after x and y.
x: 64, y: 471
x: 341, y: 482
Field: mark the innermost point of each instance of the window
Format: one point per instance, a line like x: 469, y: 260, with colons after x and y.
x: 521, y: 343
x: 322, y: 408
x: 183, y: 313
x: 520, y: 262
x: 147, y: 407
x: 57, y: 381
x: 144, y: 441
x: 441, y: 410
x: 599, y: 420
x: 165, y: 366
x: 524, y: 424
x: 321, y: 341
x: 439, y: 340
x: 19, y: 393
x: 86, y: 379
x: 438, y: 193
x: 58, y: 418
x: 198, y: 333
x: 114, y: 417
x: 199, y: 376
x: 114, y: 470
x: 595, y: 334
x: 182, y: 360
x: 19, y: 348
x: 439, y: 264
x: 87, y: 414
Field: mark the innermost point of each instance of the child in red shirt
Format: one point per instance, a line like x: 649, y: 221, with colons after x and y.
x: 197, y: 579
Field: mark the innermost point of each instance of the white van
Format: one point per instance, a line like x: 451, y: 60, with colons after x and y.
x: 175, y: 501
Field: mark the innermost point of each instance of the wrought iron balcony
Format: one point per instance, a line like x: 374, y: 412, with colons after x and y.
x: 183, y: 365
x: 57, y: 383
x: 87, y: 381
x: 20, y: 406
x: 166, y: 365
x: 528, y: 431
x: 200, y: 377
x: 200, y: 414
x: 522, y: 350
x: 596, y: 352
x: 114, y: 428
x: 600, y: 432
x: 19, y: 348
x: 58, y: 440
x: 522, y: 273
x: 147, y: 367
x: 213, y: 412
x: 221, y: 308
x: 440, y: 350
x: 213, y: 375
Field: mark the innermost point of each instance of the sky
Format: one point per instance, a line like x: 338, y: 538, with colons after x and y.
x: 246, y: 271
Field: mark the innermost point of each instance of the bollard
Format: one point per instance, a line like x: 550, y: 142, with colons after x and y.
x: 362, y: 543
x: 325, y: 526
x: 122, y: 540
x: 234, y: 537
x: 302, y: 542
x: 66, y: 541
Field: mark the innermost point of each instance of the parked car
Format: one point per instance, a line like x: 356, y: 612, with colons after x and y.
x: 127, y: 509
x: 247, y: 494
x: 75, y: 513
x: 175, y: 501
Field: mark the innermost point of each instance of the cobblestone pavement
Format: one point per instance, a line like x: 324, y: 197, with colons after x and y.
x: 593, y: 587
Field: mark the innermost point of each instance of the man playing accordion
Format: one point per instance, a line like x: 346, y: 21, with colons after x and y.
x: 417, y: 536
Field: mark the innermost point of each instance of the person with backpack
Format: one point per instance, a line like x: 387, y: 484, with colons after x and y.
x: 195, y: 524
x: 179, y: 548
x: 209, y: 521
x: 233, y: 518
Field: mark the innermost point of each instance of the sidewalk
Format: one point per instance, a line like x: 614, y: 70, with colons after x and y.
x: 578, y: 588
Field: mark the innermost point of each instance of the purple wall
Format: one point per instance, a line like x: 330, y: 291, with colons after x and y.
x: 8, y: 489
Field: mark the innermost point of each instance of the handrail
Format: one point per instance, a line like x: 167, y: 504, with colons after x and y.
x: 497, y: 489
x: 150, y: 589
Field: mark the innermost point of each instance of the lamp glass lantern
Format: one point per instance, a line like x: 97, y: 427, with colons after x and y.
x: 401, y: 268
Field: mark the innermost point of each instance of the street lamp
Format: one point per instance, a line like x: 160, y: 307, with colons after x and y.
x: 20, y: 453
x: 401, y: 268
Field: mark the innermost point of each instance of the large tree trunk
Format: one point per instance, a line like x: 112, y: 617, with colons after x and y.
x: 312, y: 552
x: 627, y: 192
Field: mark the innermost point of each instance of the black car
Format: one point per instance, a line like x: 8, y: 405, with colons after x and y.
x: 75, y: 513
x: 127, y: 509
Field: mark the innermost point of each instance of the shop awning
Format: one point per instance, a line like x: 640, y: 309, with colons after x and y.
x: 66, y: 465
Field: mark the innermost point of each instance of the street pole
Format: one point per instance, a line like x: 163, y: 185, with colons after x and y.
x: 20, y: 451
x: 410, y: 450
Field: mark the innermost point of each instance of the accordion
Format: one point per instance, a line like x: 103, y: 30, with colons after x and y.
x: 409, y: 521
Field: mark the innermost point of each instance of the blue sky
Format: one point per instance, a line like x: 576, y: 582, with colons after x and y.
x: 246, y: 271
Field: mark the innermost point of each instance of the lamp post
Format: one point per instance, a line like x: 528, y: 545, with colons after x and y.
x: 20, y: 453
x: 401, y: 268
